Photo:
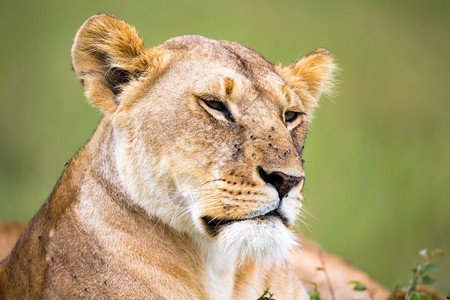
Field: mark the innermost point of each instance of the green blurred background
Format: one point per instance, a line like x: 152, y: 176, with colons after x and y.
x: 377, y: 155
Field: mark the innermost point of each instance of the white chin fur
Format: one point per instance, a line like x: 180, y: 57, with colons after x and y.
x: 264, y: 240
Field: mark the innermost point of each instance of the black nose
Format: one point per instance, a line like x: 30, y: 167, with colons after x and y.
x: 282, y: 182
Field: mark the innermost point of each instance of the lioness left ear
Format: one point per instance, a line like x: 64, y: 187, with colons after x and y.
x: 310, y: 77
x: 108, y: 53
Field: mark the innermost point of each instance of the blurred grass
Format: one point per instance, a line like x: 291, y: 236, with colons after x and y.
x: 377, y: 155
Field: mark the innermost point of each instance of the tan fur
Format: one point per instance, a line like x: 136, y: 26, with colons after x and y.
x: 136, y: 213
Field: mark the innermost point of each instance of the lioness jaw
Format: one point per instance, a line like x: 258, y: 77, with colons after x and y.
x: 191, y: 182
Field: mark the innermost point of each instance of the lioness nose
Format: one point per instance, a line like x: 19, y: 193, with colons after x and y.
x: 282, y: 182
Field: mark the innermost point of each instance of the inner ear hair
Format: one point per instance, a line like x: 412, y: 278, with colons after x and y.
x: 116, y: 77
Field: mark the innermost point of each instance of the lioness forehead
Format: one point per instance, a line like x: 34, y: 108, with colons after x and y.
x: 247, y: 61
x: 227, y: 68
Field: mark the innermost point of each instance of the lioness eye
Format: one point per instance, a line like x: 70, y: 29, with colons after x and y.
x: 217, y: 105
x: 290, y: 116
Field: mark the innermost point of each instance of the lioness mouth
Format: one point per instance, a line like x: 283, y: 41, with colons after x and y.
x: 214, y: 225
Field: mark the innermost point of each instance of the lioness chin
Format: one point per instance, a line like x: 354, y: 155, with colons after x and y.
x: 191, y: 182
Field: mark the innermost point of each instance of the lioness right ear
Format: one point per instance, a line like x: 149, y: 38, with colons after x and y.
x: 310, y: 77
x: 108, y: 53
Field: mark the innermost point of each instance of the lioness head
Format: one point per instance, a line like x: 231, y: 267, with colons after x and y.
x: 209, y: 134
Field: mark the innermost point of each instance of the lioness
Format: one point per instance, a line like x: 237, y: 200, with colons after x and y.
x: 191, y: 182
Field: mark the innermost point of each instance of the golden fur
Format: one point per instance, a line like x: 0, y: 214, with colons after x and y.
x: 191, y: 182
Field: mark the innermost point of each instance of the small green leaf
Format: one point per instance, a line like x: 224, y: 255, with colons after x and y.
x: 414, y: 297
x: 359, y: 287
x: 427, y: 280
x: 429, y: 267
x: 314, y: 295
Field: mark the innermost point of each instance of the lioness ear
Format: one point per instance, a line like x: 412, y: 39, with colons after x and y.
x: 310, y: 77
x: 107, y: 53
